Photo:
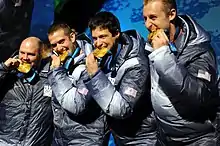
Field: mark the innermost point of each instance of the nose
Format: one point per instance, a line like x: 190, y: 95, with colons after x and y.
x: 98, y: 43
x: 25, y: 57
x: 148, y: 24
x: 59, y: 48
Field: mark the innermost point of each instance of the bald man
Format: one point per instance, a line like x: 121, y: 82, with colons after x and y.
x: 29, y: 52
x: 25, y: 97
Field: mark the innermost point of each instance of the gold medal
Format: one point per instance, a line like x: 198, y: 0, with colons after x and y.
x: 24, y: 67
x: 153, y: 34
x: 63, y: 56
x: 99, y: 53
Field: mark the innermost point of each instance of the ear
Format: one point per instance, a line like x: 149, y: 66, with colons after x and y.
x: 172, y: 14
x: 73, y: 36
x: 117, y: 34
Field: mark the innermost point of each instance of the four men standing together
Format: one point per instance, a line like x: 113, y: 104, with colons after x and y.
x: 160, y: 92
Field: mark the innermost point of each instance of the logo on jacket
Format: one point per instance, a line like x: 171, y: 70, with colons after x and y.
x: 83, y: 91
x: 130, y: 92
x: 47, y: 91
x: 204, y: 75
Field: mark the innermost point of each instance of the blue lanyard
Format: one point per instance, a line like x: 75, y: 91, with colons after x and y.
x: 71, y: 58
x: 110, y: 60
x: 28, y: 79
x: 172, y: 46
x: 118, y: 51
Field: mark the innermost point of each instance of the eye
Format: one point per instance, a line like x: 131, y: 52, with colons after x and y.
x: 53, y: 45
x: 152, y: 17
x: 31, y: 54
x: 94, y: 38
x: 102, y: 36
x: 61, y: 41
x: 21, y: 52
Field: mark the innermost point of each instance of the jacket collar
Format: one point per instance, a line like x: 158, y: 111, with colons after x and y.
x: 192, y: 33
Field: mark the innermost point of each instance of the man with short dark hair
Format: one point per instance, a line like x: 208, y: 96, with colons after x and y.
x: 78, y: 120
x: 119, y: 81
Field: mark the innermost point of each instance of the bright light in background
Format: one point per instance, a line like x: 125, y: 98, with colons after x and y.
x: 129, y: 13
x: 42, y: 18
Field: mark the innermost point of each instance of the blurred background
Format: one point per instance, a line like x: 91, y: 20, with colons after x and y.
x: 38, y: 15
x: 77, y: 13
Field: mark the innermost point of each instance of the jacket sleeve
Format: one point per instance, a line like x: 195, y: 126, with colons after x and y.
x: 191, y: 83
x: 119, y: 102
x: 69, y: 91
